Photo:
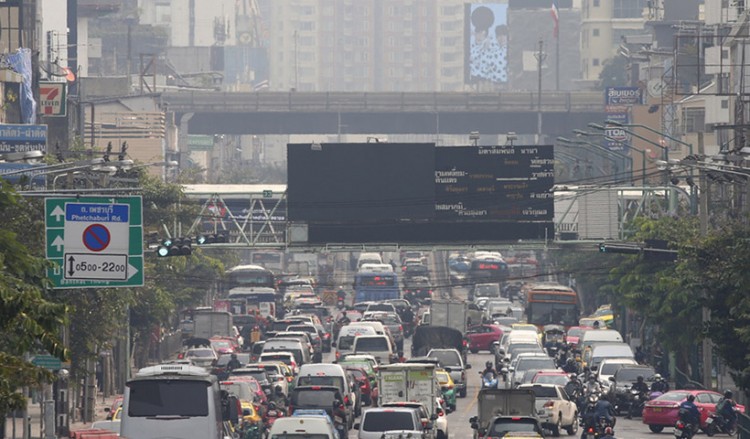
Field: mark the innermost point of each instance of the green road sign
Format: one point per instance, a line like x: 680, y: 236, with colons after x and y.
x: 95, y: 242
x: 47, y: 362
x: 267, y: 194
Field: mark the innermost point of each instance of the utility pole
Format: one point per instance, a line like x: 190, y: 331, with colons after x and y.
x: 707, y: 348
x: 540, y: 56
x: 296, y: 66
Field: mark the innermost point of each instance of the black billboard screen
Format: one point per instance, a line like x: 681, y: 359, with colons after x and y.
x: 345, y: 182
x: 494, y: 183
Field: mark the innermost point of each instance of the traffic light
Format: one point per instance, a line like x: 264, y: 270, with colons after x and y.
x: 212, y: 238
x: 175, y: 247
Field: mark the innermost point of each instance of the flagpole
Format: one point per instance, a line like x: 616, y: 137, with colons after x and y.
x: 557, y: 59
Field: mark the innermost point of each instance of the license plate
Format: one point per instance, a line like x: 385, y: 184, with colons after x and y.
x: 657, y: 409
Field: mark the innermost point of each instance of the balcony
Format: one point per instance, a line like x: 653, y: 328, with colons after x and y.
x: 97, y: 8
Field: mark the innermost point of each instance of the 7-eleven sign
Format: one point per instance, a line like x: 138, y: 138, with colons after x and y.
x: 52, y: 98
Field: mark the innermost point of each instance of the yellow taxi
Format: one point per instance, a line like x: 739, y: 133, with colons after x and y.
x: 249, y: 414
x: 605, y: 314
x: 448, y: 388
x: 117, y: 415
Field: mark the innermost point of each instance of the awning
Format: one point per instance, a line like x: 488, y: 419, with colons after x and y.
x: 7, y: 75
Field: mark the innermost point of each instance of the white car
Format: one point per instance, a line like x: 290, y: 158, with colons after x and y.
x: 441, y: 423
x: 554, y: 409
x: 203, y: 357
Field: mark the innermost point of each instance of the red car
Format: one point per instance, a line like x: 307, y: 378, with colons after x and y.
x: 662, y: 411
x: 224, y: 345
x: 574, y: 334
x: 481, y: 337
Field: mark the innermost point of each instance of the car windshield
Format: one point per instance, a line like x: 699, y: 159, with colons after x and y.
x: 535, y: 363
x: 544, y: 392
x: 320, y: 380
x: 502, y: 426
x: 224, y: 359
x: 552, y: 379
x: 315, y: 398
x: 282, y: 358
x: 286, y: 435
x: 258, y: 375
x: 628, y: 374
x: 200, y: 353
x: 673, y: 396
x: 387, y: 420
x: 168, y: 398
x: 372, y: 344
x: 609, y: 368
x: 242, y: 390
x: 446, y: 358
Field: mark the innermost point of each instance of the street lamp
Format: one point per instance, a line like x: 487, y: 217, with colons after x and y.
x: 584, y: 133
x: 624, y: 158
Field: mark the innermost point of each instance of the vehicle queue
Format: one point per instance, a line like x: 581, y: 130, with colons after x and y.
x: 553, y: 372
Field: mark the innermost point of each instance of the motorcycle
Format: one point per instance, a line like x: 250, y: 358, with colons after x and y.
x: 489, y: 380
x: 716, y: 423
x: 596, y: 430
x: 272, y: 415
x: 684, y: 430
x: 340, y: 305
x: 636, y: 401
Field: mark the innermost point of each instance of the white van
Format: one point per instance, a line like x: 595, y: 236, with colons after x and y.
x: 345, y: 342
x: 302, y: 427
x: 186, y: 396
x: 600, y: 351
x: 379, y: 346
x: 368, y: 258
x: 599, y: 335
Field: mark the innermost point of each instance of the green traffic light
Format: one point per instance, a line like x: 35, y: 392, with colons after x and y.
x: 162, y: 252
x: 602, y: 248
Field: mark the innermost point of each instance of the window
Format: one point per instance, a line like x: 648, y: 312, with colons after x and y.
x: 596, y: 3
x: 595, y: 61
x: 694, y: 120
x: 628, y: 8
x: 168, y: 398
x: 724, y: 104
x: 595, y: 32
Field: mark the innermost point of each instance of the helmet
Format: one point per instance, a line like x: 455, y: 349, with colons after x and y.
x: 279, y: 390
x: 727, y: 393
x: 234, y: 356
x: 691, y: 397
x: 657, y: 377
x: 570, y: 361
x: 639, y: 378
x: 488, y: 365
x: 592, y: 378
x: 609, y: 431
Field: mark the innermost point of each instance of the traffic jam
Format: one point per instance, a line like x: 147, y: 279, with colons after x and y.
x: 408, y: 345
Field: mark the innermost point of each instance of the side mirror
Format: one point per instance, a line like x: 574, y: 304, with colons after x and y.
x: 511, y: 369
x: 504, y: 370
x: 333, y: 344
x: 612, y: 379
x: 468, y: 366
x: 356, y: 426
x: 433, y: 417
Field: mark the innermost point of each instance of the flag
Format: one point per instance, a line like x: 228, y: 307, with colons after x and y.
x: 556, y: 18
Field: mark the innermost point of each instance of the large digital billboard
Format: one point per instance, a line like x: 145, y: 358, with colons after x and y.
x: 495, y: 183
x: 486, y: 43
x: 366, y: 182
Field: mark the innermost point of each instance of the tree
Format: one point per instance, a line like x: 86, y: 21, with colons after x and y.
x: 719, y: 277
x: 614, y: 73
x: 28, y: 321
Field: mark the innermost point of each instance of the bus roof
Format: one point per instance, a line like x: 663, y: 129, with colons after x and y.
x: 550, y: 287
x: 250, y: 290
x: 246, y: 268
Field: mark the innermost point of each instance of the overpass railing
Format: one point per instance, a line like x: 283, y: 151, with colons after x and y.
x: 190, y: 101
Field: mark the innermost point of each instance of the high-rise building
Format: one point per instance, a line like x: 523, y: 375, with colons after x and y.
x: 367, y: 45
x: 603, y: 25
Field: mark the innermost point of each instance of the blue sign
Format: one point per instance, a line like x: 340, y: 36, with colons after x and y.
x: 23, y: 138
x: 36, y: 178
x: 101, y: 213
x: 623, y: 96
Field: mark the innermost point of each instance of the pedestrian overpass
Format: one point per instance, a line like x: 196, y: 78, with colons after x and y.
x: 255, y: 216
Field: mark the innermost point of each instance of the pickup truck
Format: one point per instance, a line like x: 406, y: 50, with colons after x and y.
x: 505, y: 410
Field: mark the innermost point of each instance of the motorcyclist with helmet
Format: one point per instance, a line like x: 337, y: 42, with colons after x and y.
x: 604, y: 409
x: 574, y: 389
x: 642, y: 388
x: 488, y: 368
x: 689, y: 413
x: 726, y: 408
x: 592, y: 386
x: 341, y: 295
x: 659, y: 384
x: 570, y: 366
x: 233, y: 363
x: 281, y: 400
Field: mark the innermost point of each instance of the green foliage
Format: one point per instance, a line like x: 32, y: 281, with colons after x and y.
x: 614, y: 73
x: 28, y: 321
x: 718, y: 271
